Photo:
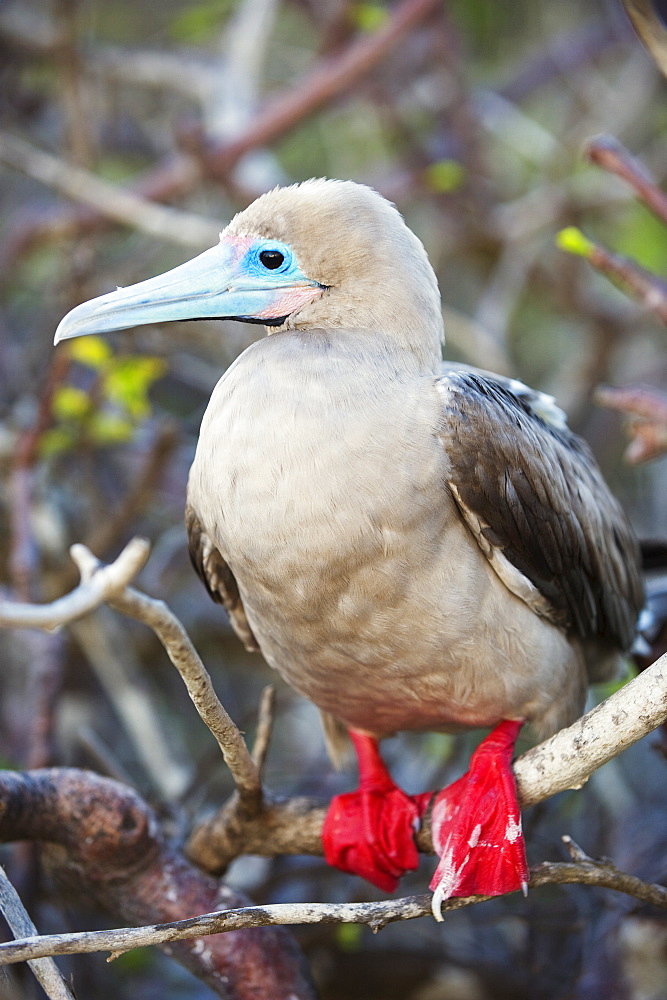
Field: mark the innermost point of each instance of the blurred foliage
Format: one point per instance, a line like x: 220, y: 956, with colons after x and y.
x: 114, y: 406
x: 474, y: 125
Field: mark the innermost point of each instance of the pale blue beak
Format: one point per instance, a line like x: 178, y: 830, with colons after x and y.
x: 223, y: 282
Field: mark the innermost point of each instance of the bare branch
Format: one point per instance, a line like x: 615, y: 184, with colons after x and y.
x: 611, y: 155
x: 646, y: 408
x: 568, y: 758
x: 45, y: 970
x: 102, y: 636
x: 109, y: 200
x: 564, y: 761
x: 264, y: 726
x: 375, y: 914
x: 84, y: 598
x: 650, y: 29
x: 645, y: 288
x: 176, y: 175
x: 196, y: 678
x: 330, y: 79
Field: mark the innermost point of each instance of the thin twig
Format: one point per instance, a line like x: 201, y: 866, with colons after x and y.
x: 45, y: 970
x: 327, y: 81
x: 609, y: 154
x: 108, y: 581
x: 196, y: 678
x: 103, y: 639
x: 576, y: 853
x: 645, y: 288
x: 646, y: 22
x: 176, y: 175
x: 109, y: 200
x: 375, y: 914
x: 109, y: 849
x: 265, y: 721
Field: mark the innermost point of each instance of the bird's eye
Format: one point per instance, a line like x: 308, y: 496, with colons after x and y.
x: 272, y: 259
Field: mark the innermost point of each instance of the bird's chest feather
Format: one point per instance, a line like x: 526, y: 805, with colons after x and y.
x: 324, y: 485
x: 316, y: 479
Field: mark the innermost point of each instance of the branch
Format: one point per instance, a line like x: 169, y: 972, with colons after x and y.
x: 562, y: 762
x: 265, y: 719
x: 194, y: 674
x: 648, y: 290
x: 650, y: 29
x: 375, y: 914
x: 45, y: 970
x: 84, y: 598
x: 175, y: 176
x: 327, y: 81
x: 611, y: 155
x: 647, y: 409
x: 568, y: 758
x: 109, y: 200
x: 110, y: 850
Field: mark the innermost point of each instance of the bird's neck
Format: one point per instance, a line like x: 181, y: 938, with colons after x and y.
x: 390, y: 352
x: 408, y: 324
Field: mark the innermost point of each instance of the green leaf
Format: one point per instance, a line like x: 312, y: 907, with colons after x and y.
x: 71, y: 404
x: 445, y: 176
x: 57, y: 440
x: 91, y: 351
x: 368, y: 16
x: 348, y: 937
x: 572, y: 240
x: 109, y: 428
x: 128, y: 380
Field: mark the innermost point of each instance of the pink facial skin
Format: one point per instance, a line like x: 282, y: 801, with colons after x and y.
x: 290, y: 300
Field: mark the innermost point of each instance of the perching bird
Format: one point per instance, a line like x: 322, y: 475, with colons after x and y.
x: 412, y: 547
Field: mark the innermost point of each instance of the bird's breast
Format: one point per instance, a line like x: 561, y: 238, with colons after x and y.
x: 311, y: 471
x: 323, y: 484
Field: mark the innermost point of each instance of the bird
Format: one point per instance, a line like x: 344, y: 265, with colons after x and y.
x: 412, y: 545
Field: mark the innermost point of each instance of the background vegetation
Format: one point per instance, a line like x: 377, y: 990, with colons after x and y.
x: 473, y: 118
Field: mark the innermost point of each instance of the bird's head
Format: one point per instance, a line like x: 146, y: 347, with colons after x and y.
x: 324, y: 254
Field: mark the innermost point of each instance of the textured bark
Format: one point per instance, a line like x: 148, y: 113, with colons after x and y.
x: 105, y: 843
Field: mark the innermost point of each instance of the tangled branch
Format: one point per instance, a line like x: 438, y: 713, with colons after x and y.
x: 114, y: 850
x: 376, y: 915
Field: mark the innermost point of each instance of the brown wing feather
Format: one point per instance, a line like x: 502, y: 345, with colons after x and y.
x: 217, y: 577
x: 538, y: 496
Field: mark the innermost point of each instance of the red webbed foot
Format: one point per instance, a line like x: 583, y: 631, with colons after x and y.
x: 370, y: 832
x: 476, y: 826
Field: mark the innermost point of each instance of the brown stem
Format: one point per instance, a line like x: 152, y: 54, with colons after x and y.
x: 611, y: 155
x: 644, y: 287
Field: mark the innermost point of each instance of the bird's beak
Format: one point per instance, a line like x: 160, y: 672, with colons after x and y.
x: 214, y: 285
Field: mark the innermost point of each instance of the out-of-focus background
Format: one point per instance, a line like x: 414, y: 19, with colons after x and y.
x: 472, y: 117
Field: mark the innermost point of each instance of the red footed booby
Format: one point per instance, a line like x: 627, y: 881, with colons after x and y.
x: 412, y: 547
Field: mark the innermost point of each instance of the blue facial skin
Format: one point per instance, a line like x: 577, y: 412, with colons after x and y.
x: 227, y: 281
